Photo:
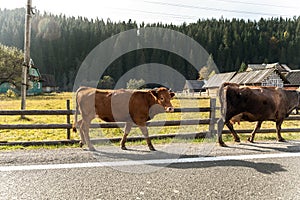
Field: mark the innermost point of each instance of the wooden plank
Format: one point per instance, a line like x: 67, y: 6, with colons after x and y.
x: 285, y: 130
x: 204, y: 109
x: 35, y: 126
x: 105, y: 124
x: 36, y: 112
x: 154, y: 123
x: 70, y: 112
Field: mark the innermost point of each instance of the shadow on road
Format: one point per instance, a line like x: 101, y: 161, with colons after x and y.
x: 262, y: 167
x: 141, y: 155
x: 279, y: 147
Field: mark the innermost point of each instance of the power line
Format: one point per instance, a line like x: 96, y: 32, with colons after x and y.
x: 157, y: 13
x: 212, y: 9
x: 258, y: 4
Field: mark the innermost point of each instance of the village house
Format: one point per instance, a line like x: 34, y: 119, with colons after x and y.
x: 275, y: 74
x: 194, y: 86
x: 49, y: 84
x: 293, y: 78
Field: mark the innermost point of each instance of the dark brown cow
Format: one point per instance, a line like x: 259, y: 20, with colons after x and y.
x: 130, y: 106
x: 241, y: 103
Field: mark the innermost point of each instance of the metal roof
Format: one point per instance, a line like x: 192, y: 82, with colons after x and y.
x: 278, y: 66
x: 294, y: 77
x: 217, y: 80
x: 194, y: 84
x: 251, y: 77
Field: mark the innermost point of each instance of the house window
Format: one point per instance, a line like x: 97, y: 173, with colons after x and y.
x: 273, y: 80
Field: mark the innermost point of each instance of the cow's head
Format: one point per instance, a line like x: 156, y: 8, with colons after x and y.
x: 164, y: 96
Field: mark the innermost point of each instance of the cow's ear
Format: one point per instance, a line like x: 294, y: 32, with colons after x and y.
x: 172, y: 94
x: 154, y: 92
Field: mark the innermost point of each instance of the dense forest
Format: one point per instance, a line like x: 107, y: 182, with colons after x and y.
x: 59, y: 44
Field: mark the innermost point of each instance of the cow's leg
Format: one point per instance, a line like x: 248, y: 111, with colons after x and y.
x: 146, y: 135
x: 220, y: 124
x: 80, y: 125
x: 257, y: 127
x: 278, y: 129
x: 233, y: 132
x: 85, y: 128
x: 127, y: 129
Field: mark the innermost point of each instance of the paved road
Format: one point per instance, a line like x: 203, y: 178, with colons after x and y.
x: 264, y: 170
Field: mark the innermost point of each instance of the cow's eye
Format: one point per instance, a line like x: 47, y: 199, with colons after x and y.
x: 161, y: 98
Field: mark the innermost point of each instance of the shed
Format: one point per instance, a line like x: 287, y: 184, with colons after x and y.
x: 49, y: 83
x: 194, y: 86
x: 213, y: 84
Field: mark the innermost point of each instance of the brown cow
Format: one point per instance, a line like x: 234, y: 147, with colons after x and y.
x: 241, y: 103
x: 130, y: 106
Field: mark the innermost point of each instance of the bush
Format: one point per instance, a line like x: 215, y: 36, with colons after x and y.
x: 11, y: 94
x: 135, y: 84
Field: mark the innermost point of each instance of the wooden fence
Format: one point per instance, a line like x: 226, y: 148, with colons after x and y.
x: 211, y: 122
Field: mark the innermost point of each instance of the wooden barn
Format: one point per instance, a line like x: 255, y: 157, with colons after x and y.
x: 274, y: 74
x: 213, y: 84
x: 49, y: 83
x: 265, y: 77
x: 281, y: 68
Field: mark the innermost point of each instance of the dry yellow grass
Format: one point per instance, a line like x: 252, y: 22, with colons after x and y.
x: 58, y: 101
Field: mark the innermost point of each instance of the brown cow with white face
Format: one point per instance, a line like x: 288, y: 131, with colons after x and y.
x: 130, y: 106
x: 241, y: 103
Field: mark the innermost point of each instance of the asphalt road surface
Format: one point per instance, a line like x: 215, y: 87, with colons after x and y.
x: 263, y: 170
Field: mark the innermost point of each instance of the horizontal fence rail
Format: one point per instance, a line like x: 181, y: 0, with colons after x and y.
x: 211, y: 122
x: 36, y: 112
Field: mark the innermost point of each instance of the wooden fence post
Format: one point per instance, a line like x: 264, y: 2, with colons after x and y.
x: 212, y: 116
x: 68, y: 120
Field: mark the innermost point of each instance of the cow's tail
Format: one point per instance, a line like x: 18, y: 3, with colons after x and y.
x: 75, y: 114
x: 75, y: 119
x: 222, y: 99
x: 76, y: 109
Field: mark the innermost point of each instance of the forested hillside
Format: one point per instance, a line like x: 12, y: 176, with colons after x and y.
x: 59, y: 44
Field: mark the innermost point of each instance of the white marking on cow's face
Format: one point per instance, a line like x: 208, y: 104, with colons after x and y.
x: 169, y: 109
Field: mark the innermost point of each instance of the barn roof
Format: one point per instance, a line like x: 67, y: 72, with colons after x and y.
x: 254, y: 77
x: 282, y: 68
x: 251, y: 77
x: 294, y: 77
x: 217, y: 80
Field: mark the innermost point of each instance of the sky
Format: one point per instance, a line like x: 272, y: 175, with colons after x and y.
x: 166, y: 11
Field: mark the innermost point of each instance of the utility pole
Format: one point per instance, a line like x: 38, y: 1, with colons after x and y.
x: 26, y: 63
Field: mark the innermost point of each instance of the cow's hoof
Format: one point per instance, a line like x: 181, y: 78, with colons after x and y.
x: 92, y: 149
x: 152, y: 148
x: 222, y: 144
x: 281, y: 140
x: 80, y: 144
x: 123, y: 148
x: 237, y: 140
x: 250, y: 140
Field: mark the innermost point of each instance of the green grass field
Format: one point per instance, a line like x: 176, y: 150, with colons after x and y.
x: 58, y: 101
